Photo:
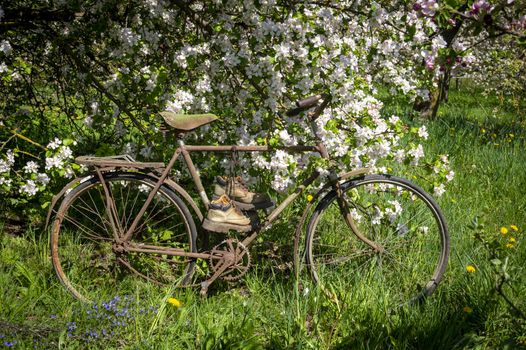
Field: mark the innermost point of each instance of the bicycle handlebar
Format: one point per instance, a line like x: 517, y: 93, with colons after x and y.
x: 307, y: 103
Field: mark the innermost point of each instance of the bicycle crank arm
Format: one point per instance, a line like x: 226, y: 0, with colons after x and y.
x: 205, y: 284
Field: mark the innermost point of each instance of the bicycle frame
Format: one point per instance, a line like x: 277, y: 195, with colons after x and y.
x: 184, y: 152
x: 229, y: 259
x: 122, y: 238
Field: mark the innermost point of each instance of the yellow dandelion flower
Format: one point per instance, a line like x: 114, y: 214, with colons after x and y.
x: 509, y: 245
x: 470, y: 268
x: 175, y: 302
x: 467, y: 309
x: 309, y: 198
x: 503, y: 230
x: 514, y: 228
x: 512, y: 240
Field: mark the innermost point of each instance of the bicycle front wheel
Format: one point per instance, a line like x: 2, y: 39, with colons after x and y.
x: 88, y: 255
x: 395, y: 214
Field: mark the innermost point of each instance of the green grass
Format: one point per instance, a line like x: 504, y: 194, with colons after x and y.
x: 269, y: 308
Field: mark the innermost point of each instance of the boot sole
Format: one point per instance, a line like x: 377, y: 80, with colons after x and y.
x: 213, y: 226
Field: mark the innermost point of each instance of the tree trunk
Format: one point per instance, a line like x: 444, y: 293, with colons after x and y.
x: 430, y: 109
x: 446, y: 81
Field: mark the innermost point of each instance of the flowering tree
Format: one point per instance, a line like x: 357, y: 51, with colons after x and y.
x: 500, y: 68
x: 463, y: 26
x: 93, y: 76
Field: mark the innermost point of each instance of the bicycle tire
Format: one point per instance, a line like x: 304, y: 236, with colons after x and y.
x: 83, y: 246
x: 412, y: 231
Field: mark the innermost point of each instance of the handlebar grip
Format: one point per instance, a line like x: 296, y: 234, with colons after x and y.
x: 309, y: 101
x: 295, y: 111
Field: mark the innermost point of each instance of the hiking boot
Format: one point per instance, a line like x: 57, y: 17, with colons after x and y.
x: 238, y: 191
x: 222, y: 210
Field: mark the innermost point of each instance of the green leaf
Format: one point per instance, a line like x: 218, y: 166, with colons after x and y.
x: 167, y: 234
x: 411, y: 31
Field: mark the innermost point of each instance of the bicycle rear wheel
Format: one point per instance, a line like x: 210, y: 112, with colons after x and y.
x: 389, y: 211
x: 93, y: 265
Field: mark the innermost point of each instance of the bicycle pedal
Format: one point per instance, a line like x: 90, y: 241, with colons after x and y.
x: 222, y: 227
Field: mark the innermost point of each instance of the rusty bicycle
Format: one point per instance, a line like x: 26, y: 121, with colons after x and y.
x: 130, y: 222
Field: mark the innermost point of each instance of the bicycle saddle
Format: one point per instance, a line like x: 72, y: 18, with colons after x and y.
x: 187, y: 122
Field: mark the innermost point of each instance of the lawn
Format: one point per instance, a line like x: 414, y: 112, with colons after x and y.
x: 270, y: 308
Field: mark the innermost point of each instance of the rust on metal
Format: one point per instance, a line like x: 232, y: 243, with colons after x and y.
x: 122, y: 161
x: 232, y: 148
x: 153, y: 192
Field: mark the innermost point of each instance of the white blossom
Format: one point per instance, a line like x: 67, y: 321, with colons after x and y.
x: 4, y: 166
x: 54, y: 144
x: 88, y: 121
x: 450, y: 176
x: 439, y: 190
x: 5, y: 181
x: 31, y: 167
x: 29, y: 188
x: 43, y: 178
x: 5, y: 47
x: 422, y: 132
x: 10, y: 157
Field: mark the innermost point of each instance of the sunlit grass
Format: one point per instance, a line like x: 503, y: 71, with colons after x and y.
x: 270, y: 308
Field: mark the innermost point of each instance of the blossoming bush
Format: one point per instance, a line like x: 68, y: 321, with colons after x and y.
x: 94, y: 77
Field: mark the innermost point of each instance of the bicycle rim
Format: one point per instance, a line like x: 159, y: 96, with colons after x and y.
x: 85, y: 255
x: 394, y: 213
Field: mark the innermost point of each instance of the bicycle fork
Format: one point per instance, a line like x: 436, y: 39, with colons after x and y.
x: 346, y: 213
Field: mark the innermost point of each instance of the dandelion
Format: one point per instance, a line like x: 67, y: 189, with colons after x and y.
x: 175, y: 302
x: 467, y: 309
x: 504, y: 230
x: 509, y: 245
x: 470, y: 269
x: 514, y: 228
x: 309, y: 198
x: 512, y: 240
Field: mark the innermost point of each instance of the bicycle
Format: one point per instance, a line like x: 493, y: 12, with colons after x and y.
x: 130, y: 221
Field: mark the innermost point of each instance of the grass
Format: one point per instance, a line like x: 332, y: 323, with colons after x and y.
x: 269, y: 308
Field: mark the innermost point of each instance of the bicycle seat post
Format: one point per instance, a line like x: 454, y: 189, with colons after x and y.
x: 192, y: 169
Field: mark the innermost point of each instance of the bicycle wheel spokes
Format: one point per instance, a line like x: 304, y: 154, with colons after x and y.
x: 394, y: 214
x: 92, y: 262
